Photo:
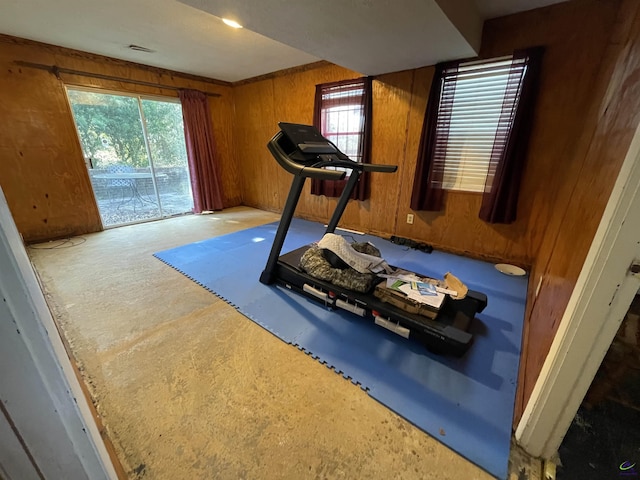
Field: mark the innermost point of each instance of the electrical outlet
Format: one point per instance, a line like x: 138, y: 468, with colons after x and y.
x: 410, y: 218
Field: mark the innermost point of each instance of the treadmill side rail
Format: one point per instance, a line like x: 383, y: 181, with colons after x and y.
x: 394, y: 327
x: 315, y: 292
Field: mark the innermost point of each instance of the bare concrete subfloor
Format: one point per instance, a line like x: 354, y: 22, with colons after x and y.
x: 188, y: 388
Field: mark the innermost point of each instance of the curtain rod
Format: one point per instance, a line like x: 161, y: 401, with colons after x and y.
x: 58, y: 70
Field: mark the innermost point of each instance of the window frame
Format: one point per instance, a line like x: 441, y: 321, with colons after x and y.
x: 470, y: 171
x: 502, y: 187
x: 328, y: 102
x: 363, y: 103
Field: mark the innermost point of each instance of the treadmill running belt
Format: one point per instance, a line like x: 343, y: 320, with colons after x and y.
x: 466, y: 403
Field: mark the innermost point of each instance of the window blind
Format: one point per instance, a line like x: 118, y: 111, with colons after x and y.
x: 478, y: 102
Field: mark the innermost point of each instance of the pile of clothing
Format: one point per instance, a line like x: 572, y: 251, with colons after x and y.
x: 354, y: 266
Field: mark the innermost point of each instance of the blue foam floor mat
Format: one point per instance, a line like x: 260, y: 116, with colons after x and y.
x: 466, y: 403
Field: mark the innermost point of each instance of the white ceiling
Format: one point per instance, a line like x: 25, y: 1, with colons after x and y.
x: 500, y: 8
x: 368, y: 36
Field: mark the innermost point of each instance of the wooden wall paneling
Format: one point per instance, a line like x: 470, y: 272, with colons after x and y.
x: 618, y: 117
x: 421, y: 83
x: 559, y: 119
x: 575, y: 35
x: 578, y: 204
x: 293, y: 97
x: 532, y: 292
x: 286, y: 72
x: 252, y: 128
x: 42, y: 171
x: 48, y: 191
x: 392, y: 95
x: 566, y: 167
x: 222, y: 121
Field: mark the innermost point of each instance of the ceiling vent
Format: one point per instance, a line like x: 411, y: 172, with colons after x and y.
x: 138, y: 48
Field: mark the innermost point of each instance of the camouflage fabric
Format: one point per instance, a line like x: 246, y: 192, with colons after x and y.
x: 314, y: 263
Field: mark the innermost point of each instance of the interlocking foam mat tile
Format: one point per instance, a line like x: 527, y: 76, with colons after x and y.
x: 466, y: 403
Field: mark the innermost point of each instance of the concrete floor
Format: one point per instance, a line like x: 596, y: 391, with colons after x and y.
x: 188, y: 388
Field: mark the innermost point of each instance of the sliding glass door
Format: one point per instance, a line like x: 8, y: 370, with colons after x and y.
x: 135, y: 151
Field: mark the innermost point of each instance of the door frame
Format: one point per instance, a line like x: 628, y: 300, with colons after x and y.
x: 45, y: 410
x: 601, y: 298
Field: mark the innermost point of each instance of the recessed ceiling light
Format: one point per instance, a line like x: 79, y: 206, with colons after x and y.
x: 231, y: 23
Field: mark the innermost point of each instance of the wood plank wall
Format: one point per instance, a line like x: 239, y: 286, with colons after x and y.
x: 399, y: 104
x: 42, y: 170
x: 610, y: 124
x: 582, y: 41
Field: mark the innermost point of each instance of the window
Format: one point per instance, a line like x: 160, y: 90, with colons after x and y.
x: 342, y: 117
x: 476, y: 100
x: 135, y: 153
x: 342, y: 114
x: 475, y: 132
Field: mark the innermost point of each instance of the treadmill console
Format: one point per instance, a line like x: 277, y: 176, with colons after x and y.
x: 305, y: 144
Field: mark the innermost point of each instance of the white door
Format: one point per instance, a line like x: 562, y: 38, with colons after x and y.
x: 15, y: 463
x: 43, y: 414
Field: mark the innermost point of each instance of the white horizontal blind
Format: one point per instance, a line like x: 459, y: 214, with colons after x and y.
x: 477, y: 105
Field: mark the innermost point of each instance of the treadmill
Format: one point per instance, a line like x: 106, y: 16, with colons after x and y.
x: 302, y: 151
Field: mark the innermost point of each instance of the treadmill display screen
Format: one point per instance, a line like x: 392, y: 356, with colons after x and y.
x: 304, y: 144
x: 301, y: 134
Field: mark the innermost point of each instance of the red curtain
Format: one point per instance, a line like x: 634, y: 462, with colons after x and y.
x: 506, y: 163
x: 427, y: 193
x: 353, y: 95
x: 201, y: 151
x: 500, y: 198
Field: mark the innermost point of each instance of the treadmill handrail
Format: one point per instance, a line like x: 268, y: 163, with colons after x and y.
x: 368, y: 167
x: 316, y: 170
x: 350, y: 164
